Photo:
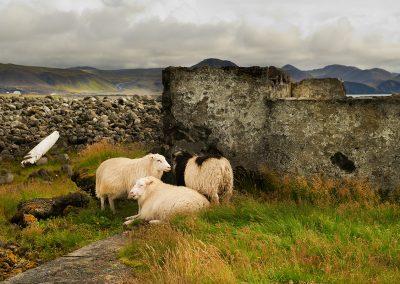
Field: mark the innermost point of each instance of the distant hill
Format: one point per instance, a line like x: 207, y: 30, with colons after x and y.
x: 86, y: 79
x: 46, y: 80
x: 357, y: 81
x: 295, y: 73
x: 140, y: 81
x: 358, y: 88
x: 214, y: 62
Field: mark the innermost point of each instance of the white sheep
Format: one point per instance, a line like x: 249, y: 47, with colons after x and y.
x: 116, y: 176
x: 210, y: 175
x: 158, y: 201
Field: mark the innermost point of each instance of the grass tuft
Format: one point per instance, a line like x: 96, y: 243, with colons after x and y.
x: 92, y: 156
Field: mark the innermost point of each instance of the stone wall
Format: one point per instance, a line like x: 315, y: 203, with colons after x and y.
x: 24, y: 121
x: 255, y: 121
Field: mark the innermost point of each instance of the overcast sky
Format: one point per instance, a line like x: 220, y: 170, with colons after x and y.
x: 158, y: 33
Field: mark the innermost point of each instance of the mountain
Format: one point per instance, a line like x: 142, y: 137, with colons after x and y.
x: 389, y: 87
x: 295, y: 73
x: 87, y: 79
x: 139, y: 81
x: 357, y: 81
x: 214, y: 62
x: 358, y: 88
x: 47, y: 80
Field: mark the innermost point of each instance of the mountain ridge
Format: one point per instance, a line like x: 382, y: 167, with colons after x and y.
x: 87, y: 79
x: 356, y: 80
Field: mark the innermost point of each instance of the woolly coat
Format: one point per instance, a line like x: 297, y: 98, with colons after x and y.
x: 160, y: 201
x: 116, y: 176
x: 209, y: 175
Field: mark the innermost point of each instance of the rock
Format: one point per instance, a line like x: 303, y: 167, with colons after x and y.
x: 67, y: 169
x: 85, y: 181
x: 42, y: 161
x: 24, y: 122
x: 43, y: 208
x: 28, y: 219
x: 64, y: 158
x: 6, y: 177
x: 42, y: 174
x: 12, y: 263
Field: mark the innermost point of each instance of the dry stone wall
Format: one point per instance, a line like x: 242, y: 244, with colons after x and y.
x: 24, y: 121
x: 305, y: 128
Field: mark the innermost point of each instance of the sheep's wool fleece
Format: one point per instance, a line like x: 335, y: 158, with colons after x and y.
x: 160, y: 201
x: 116, y: 176
x: 213, y: 176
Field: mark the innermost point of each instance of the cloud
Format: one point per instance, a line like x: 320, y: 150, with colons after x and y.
x: 122, y: 34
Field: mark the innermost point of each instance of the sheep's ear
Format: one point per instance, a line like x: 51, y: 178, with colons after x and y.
x: 149, y: 181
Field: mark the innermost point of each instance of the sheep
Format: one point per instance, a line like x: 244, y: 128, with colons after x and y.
x: 158, y: 201
x: 211, y: 175
x: 116, y: 176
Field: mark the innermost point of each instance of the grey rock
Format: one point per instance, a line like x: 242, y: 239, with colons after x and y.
x: 6, y: 177
x: 42, y: 161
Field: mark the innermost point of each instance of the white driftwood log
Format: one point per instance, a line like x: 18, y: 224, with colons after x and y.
x: 40, y: 149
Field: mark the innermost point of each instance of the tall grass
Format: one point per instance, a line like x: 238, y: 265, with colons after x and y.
x: 318, y: 189
x: 255, y: 241
x: 92, y: 156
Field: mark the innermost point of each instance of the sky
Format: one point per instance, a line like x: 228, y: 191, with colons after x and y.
x: 114, y: 34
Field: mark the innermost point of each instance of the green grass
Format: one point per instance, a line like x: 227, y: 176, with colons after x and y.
x: 259, y: 241
x: 298, y: 230
x: 54, y: 237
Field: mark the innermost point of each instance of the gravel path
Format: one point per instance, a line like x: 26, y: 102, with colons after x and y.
x: 95, y: 263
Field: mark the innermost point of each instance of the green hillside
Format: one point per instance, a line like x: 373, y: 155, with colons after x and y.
x: 43, y: 79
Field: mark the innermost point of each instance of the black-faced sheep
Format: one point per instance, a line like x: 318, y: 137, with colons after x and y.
x: 116, y: 176
x: 210, y: 175
x: 158, y: 201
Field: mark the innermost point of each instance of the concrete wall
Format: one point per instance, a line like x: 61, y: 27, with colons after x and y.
x: 255, y: 121
x: 24, y: 121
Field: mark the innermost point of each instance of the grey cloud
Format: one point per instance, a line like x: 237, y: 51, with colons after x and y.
x: 121, y: 34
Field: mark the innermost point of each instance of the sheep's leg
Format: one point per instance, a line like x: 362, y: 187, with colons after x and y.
x: 102, y: 199
x: 111, y: 201
x: 214, y: 198
x: 155, y: 222
x: 132, y: 217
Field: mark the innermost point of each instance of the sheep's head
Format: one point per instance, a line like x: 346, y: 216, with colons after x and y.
x: 179, y: 159
x: 140, y: 187
x: 160, y: 163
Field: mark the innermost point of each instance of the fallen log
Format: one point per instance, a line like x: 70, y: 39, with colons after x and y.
x: 40, y: 149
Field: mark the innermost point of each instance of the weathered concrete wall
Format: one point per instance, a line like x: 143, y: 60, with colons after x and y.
x: 255, y: 122
x: 24, y: 121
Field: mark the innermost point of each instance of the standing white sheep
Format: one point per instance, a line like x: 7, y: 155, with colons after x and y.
x: 116, y: 176
x: 210, y: 175
x: 159, y: 201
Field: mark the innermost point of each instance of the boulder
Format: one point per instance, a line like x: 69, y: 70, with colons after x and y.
x: 42, y: 161
x: 43, y: 208
x: 6, y: 177
x: 85, y: 181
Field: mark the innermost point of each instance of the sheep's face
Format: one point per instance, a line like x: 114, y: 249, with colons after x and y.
x: 160, y: 163
x: 140, y: 187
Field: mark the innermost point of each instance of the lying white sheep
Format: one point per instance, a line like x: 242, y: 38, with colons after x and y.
x: 210, y: 175
x: 159, y: 201
x: 116, y: 176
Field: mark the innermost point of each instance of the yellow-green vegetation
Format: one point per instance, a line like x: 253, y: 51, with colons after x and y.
x: 50, y: 238
x: 92, y: 156
x: 276, y: 229
x: 289, y: 229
